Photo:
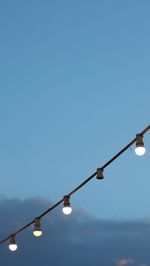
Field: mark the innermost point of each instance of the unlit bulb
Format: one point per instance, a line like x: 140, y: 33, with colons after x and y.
x: 100, y: 173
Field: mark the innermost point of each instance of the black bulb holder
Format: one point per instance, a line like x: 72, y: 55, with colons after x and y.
x: 100, y: 173
x: 66, y: 201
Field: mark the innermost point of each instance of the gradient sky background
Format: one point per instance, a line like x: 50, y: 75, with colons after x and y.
x: 74, y: 89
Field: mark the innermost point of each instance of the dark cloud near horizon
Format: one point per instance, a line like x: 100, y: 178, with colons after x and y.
x: 75, y: 240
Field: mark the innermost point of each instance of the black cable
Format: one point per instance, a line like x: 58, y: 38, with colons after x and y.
x: 78, y: 187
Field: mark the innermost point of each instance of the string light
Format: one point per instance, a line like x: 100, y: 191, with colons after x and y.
x: 100, y: 173
x: 140, y: 149
x: 67, y: 208
x: 37, y: 232
x: 12, y: 243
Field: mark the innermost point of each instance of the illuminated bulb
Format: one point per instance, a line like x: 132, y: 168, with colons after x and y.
x: 140, y: 149
x: 37, y: 232
x: 12, y: 243
x: 67, y: 208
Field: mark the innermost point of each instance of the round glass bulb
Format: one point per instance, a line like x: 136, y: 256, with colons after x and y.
x: 13, y: 247
x: 140, y: 150
x: 67, y: 210
x: 37, y: 233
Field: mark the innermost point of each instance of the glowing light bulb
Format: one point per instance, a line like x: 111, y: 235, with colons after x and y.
x: 139, y: 149
x: 13, y: 247
x: 12, y: 244
x: 67, y: 208
x: 37, y: 232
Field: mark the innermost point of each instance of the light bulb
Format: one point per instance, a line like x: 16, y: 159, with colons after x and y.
x: 139, y: 149
x: 13, y: 247
x: 67, y: 208
x: 12, y: 244
x: 37, y: 232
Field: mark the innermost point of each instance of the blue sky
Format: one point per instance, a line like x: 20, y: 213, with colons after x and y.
x: 74, y: 89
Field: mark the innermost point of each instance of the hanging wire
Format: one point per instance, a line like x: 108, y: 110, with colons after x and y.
x: 77, y: 188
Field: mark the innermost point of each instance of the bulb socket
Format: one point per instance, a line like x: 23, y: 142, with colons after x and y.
x: 66, y: 201
x: 37, y: 222
x: 12, y: 240
x: 139, y: 140
x: 100, y: 173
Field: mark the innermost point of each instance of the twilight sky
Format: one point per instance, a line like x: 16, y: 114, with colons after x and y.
x: 75, y: 240
x: 75, y: 89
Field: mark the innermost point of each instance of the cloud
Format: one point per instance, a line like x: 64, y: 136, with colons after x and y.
x: 75, y: 240
x: 124, y: 262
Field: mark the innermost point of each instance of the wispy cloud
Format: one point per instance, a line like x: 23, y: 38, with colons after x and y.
x: 124, y: 262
